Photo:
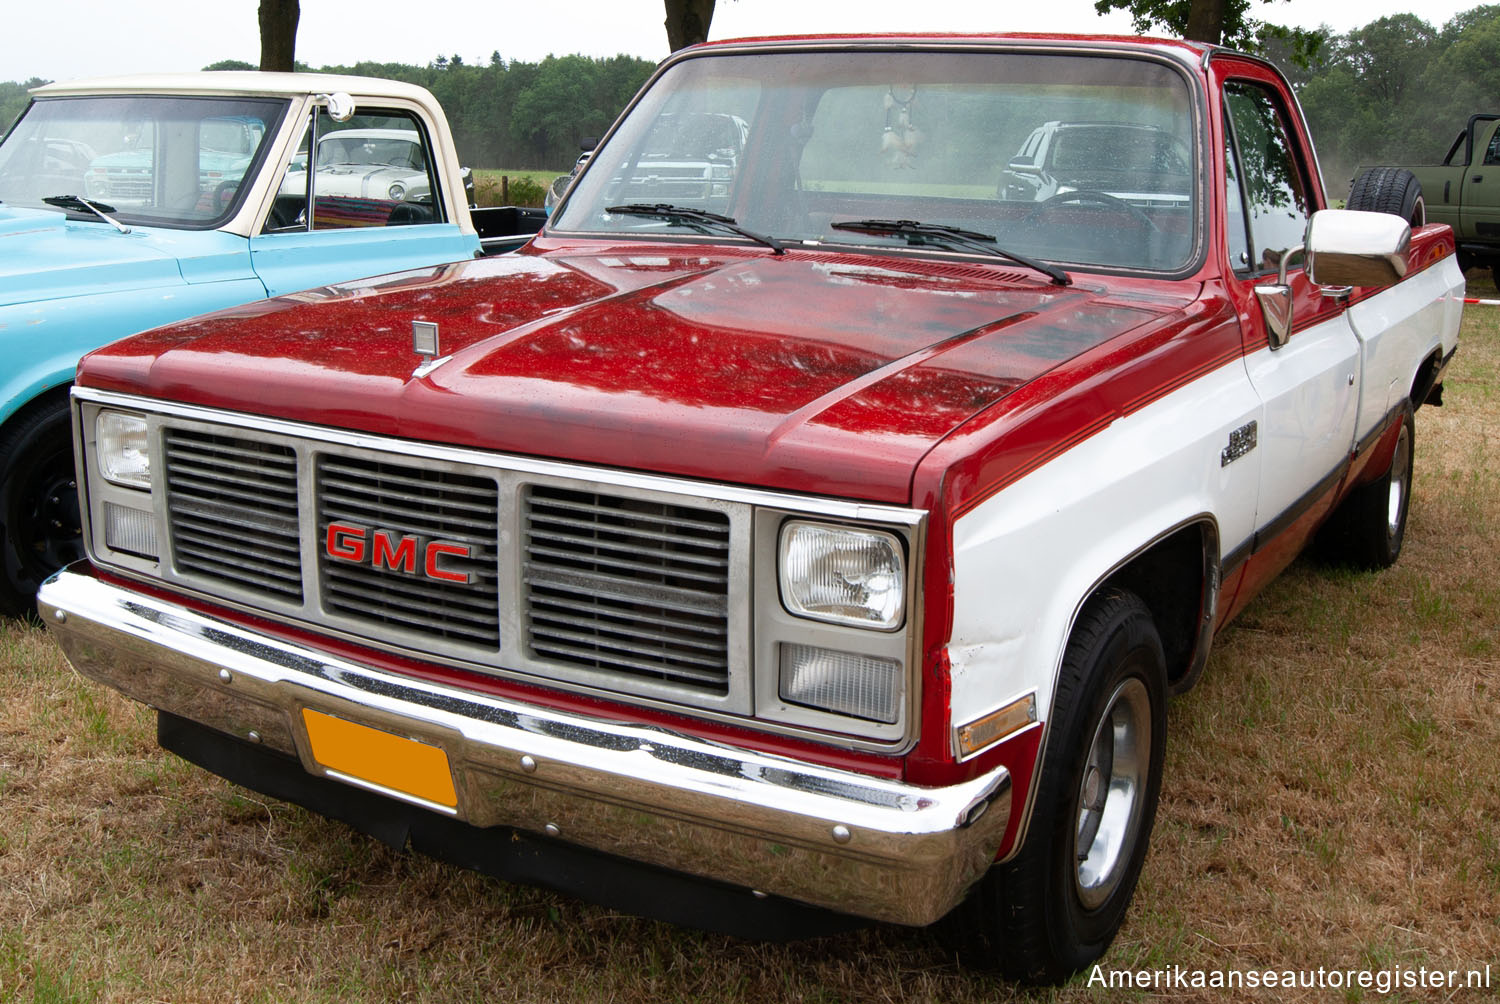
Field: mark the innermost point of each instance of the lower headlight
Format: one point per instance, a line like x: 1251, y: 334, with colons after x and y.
x: 847, y: 683
x: 397, y: 191
x: 129, y: 529
x: 843, y: 575
x: 124, y: 454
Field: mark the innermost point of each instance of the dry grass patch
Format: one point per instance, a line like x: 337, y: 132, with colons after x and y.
x: 1330, y: 801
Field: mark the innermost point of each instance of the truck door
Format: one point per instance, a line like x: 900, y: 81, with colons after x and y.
x: 1309, y: 384
x: 358, y: 198
x: 1479, y: 210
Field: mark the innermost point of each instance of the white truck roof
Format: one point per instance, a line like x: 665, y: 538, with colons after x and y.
x: 235, y: 82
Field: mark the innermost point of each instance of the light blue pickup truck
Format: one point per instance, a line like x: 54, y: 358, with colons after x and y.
x: 132, y: 202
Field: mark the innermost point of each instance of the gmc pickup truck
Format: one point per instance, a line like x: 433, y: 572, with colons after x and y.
x: 129, y: 202
x: 828, y: 540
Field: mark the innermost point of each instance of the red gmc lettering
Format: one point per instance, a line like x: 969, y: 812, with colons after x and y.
x: 397, y: 557
x: 346, y: 541
x: 438, y: 548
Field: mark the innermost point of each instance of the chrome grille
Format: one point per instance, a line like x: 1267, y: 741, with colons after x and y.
x: 627, y: 585
x: 232, y: 505
x: 422, y: 506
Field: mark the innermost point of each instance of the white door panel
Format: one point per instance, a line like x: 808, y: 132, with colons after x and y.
x: 1310, y: 390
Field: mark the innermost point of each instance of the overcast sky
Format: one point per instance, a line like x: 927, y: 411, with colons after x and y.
x: 64, y: 39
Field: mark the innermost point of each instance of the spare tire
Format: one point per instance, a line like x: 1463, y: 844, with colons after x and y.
x: 1393, y: 190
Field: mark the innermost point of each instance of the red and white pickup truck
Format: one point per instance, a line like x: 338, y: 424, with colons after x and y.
x: 832, y: 536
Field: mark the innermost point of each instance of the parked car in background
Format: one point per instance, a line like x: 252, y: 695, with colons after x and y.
x: 1137, y: 163
x: 1463, y: 191
x: 387, y: 164
x: 127, y: 203
x: 689, y: 156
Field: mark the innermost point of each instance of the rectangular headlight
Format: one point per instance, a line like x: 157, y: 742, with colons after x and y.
x: 842, y: 575
x: 124, y: 456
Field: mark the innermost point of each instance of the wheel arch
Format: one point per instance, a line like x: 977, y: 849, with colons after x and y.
x: 48, y: 396
x: 1177, y: 575
x: 1426, y: 387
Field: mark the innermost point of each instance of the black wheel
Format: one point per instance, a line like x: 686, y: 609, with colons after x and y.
x: 1088, y: 195
x: 1057, y: 905
x: 38, y: 503
x: 1393, y: 190
x: 1368, y: 528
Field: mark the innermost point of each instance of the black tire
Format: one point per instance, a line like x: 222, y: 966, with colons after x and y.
x: 1048, y: 913
x: 1369, y: 527
x: 1393, y: 190
x: 39, y: 515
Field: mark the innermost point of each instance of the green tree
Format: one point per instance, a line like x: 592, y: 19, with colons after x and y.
x: 1217, y: 22
x: 13, y: 100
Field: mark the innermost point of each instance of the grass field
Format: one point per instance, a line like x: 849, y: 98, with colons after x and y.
x: 487, y: 190
x: 1330, y: 800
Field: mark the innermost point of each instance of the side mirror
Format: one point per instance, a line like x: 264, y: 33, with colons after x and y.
x: 1276, y: 299
x: 1349, y: 247
x: 339, y: 104
x: 1023, y: 165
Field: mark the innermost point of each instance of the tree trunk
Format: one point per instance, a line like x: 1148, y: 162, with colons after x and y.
x: 278, y: 34
x: 688, y: 21
x: 1205, y: 21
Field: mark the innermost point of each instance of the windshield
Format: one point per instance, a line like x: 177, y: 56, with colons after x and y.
x: 1075, y: 159
x: 167, y: 161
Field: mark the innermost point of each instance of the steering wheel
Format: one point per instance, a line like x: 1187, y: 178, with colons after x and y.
x: 1089, y: 195
x: 224, y: 194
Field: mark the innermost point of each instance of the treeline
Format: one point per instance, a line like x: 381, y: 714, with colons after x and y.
x: 504, y: 114
x: 522, y: 115
x: 1395, y: 91
x: 13, y: 98
x: 1398, y: 90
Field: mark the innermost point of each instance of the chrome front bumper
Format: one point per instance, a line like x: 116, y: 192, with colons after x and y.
x: 837, y: 839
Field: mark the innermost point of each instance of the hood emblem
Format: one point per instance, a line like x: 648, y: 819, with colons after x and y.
x: 424, y: 342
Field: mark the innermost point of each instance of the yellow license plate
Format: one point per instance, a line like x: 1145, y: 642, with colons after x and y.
x: 382, y: 760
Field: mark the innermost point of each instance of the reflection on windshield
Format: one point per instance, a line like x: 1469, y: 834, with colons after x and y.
x: 1068, y: 158
x: 164, y: 160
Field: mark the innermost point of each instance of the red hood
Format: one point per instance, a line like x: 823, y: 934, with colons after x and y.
x: 805, y: 371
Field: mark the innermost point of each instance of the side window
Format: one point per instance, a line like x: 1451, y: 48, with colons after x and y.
x: 1234, y: 209
x: 1274, y: 190
x: 375, y: 170
x: 1492, y: 152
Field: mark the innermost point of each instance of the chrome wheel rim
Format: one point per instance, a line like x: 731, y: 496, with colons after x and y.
x: 1111, y: 793
x: 1396, y: 497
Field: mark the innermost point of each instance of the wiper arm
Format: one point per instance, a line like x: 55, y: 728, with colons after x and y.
x: 78, y: 203
x: 936, y: 233
x: 688, y: 216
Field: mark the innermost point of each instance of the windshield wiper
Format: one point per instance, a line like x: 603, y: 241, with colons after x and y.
x: 79, y: 204
x: 936, y: 233
x: 702, y: 218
